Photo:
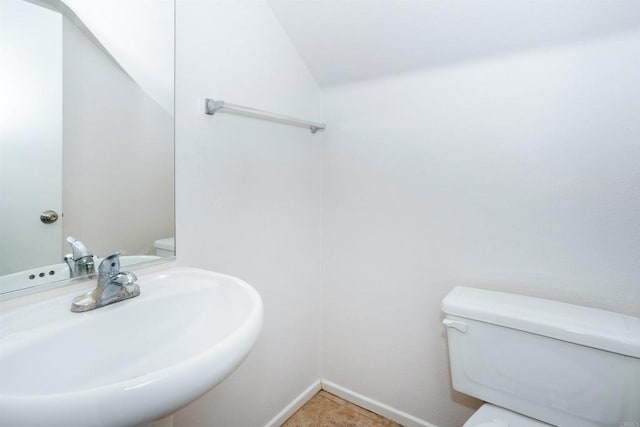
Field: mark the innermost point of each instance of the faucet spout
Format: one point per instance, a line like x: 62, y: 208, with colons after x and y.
x: 125, y: 278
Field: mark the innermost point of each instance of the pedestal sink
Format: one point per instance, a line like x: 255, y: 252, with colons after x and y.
x: 130, y: 362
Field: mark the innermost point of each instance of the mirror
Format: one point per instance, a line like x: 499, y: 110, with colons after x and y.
x: 86, y: 134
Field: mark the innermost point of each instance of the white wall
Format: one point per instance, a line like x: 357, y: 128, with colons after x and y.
x: 519, y: 174
x: 118, y: 154
x: 249, y: 196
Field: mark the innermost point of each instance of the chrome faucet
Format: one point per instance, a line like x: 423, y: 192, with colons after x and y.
x: 80, y: 262
x: 113, y: 286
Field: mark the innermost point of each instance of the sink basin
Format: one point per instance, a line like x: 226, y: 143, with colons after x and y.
x: 130, y: 362
x: 43, y: 275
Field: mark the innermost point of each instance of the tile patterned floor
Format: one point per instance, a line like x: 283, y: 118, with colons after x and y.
x: 326, y: 410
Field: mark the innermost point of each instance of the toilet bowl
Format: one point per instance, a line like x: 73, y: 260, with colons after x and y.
x: 494, y: 416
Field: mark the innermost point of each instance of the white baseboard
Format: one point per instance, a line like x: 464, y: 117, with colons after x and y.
x: 295, y: 404
x: 387, y: 411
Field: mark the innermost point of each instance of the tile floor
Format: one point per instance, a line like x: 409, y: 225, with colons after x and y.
x: 326, y: 410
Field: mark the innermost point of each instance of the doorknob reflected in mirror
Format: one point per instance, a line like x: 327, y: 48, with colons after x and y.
x: 49, y: 217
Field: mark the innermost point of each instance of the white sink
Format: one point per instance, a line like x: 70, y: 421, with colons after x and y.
x: 130, y: 362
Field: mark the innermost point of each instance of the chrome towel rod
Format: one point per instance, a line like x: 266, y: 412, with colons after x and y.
x: 211, y: 106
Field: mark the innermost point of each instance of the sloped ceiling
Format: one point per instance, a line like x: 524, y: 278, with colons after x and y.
x: 347, y: 40
x: 139, y: 35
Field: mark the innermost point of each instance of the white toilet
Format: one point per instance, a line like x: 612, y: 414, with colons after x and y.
x: 540, y: 362
x: 165, y: 247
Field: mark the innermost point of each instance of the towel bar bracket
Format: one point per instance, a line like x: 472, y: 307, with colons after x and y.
x: 211, y: 106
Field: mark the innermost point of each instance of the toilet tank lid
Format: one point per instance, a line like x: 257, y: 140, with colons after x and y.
x: 168, y: 243
x: 605, y: 330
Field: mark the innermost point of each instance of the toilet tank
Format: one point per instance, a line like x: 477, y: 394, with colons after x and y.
x: 165, y: 247
x: 560, y: 363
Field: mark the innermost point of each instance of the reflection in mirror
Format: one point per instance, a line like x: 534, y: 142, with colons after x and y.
x: 86, y: 135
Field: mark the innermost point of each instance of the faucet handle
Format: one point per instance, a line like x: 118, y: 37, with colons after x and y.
x: 80, y: 250
x: 110, y: 265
